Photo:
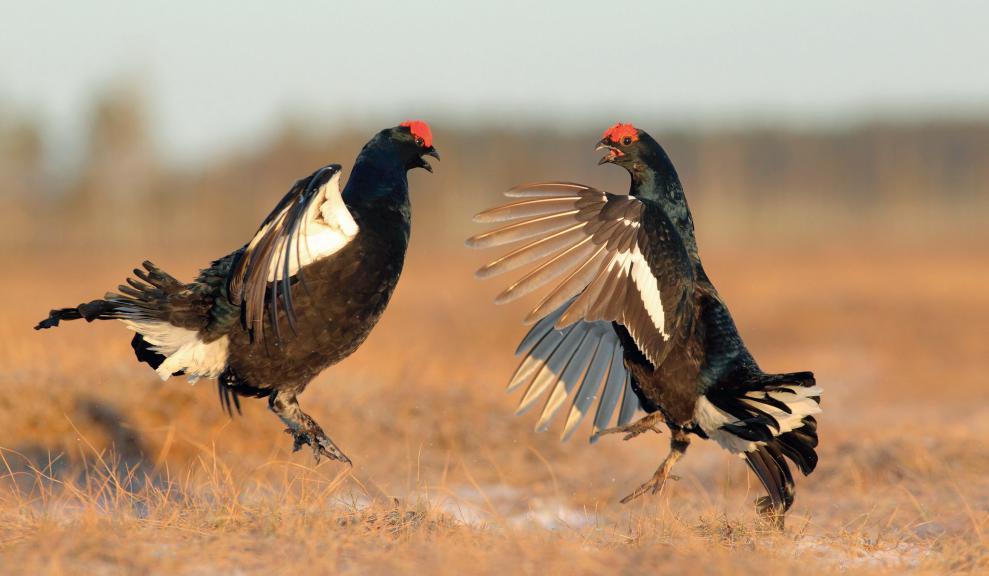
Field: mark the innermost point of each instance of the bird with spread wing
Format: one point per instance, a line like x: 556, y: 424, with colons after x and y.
x: 632, y: 320
x: 302, y: 295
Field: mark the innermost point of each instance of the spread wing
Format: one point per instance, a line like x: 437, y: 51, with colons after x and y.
x: 310, y: 223
x: 579, y: 364
x: 609, y: 258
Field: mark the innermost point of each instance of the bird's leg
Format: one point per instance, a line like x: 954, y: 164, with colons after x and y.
x: 678, y: 446
x: 645, y: 424
x: 303, y: 428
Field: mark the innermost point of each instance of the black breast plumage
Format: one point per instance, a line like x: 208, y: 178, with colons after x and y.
x: 337, y: 301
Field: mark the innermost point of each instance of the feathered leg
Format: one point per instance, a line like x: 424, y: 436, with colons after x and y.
x: 303, y: 428
x: 678, y: 446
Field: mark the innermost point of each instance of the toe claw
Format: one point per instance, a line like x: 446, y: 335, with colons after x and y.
x: 321, y: 445
x: 653, y: 486
x: 327, y: 448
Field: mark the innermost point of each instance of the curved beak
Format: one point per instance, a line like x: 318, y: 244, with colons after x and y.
x: 611, y: 156
x: 429, y: 152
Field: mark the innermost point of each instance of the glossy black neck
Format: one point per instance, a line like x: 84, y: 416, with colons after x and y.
x: 379, y: 177
x: 653, y: 175
x: 655, y: 179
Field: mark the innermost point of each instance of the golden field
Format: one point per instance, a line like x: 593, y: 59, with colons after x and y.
x: 105, y: 469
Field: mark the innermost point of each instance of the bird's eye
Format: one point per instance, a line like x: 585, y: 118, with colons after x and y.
x: 419, y: 141
x: 627, y: 140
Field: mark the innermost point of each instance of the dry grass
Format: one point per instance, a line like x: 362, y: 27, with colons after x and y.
x: 105, y: 469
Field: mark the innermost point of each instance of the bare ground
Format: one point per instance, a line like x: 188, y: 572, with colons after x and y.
x: 105, y: 469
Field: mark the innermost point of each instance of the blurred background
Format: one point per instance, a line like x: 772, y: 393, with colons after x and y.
x: 836, y: 158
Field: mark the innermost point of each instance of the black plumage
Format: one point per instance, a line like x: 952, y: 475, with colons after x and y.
x: 629, y: 284
x: 303, y: 294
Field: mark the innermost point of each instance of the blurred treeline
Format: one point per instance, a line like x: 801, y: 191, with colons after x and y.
x: 916, y: 178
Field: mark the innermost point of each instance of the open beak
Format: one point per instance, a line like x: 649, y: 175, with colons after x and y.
x: 429, y: 152
x: 611, y: 156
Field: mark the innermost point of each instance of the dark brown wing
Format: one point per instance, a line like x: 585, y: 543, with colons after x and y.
x: 619, y: 259
x: 609, y: 258
x: 309, y: 223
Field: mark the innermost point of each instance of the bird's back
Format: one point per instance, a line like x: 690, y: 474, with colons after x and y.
x: 725, y: 356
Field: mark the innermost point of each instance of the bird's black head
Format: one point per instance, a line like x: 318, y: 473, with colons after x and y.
x: 413, y: 140
x: 626, y: 146
x: 653, y: 174
x: 380, y: 170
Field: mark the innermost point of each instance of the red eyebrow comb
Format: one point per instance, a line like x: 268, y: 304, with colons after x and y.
x: 619, y: 131
x: 421, y: 130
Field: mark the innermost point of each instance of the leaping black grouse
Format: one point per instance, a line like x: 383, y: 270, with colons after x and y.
x: 302, y: 295
x: 634, y: 318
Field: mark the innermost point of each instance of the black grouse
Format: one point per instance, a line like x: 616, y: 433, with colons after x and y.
x: 302, y: 295
x: 633, y: 318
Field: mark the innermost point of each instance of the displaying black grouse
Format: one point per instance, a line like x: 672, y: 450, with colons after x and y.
x: 634, y: 318
x: 302, y: 295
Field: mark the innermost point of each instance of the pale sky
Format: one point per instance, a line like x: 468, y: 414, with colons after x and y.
x: 219, y: 73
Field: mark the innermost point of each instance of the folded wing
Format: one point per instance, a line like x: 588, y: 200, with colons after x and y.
x: 310, y: 223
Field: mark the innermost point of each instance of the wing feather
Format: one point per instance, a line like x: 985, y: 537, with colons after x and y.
x: 546, y: 190
x: 551, y: 370
x: 571, y: 376
x: 531, y: 253
x: 310, y: 222
x: 535, y: 359
x: 592, y: 381
x: 525, y: 209
x: 576, y: 364
x: 525, y: 230
x: 603, y: 254
x: 549, y: 270
x: 608, y: 258
x: 630, y: 403
x: 572, y: 286
x: 541, y: 330
x: 613, y: 388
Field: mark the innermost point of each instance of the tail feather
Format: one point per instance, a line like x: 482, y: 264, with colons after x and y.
x: 95, y: 310
x: 799, y: 445
x: 147, y: 354
x: 106, y: 310
x: 768, y: 421
x: 168, y: 317
x: 140, y: 300
x: 770, y: 467
x: 772, y: 470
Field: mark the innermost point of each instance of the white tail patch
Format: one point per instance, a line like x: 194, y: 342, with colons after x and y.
x: 711, y: 418
x: 183, y: 350
x: 797, y: 398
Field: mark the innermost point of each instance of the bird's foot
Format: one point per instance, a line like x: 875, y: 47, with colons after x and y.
x: 319, y: 442
x: 654, y: 485
x: 678, y: 446
x: 645, y: 424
